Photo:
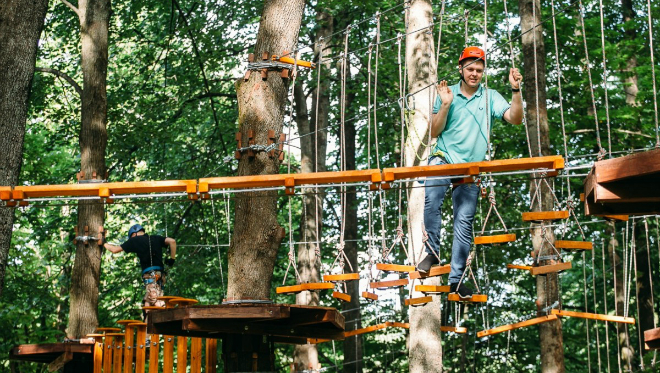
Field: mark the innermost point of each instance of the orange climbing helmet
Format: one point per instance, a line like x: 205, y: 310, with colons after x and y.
x: 472, y: 52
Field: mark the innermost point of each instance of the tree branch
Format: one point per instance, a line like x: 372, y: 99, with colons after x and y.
x: 627, y: 132
x: 179, y: 112
x: 72, y: 7
x: 61, y: 75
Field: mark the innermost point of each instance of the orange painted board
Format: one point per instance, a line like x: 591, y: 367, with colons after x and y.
x: 455, y: 329
x: 128, y: 341
x: 98, y: 357
x: 516, y: 266
x: 140, y: 349
x: 108, y: 329
x: 107, y: 353
x: 394, y: 267
x: 181, y: 354
x: 126, y: 322
x: 294, y: 61
x: 550, y: 268
x: 433, y: 272
x: 518, y: 325
x: 117, y: 354
x: 304, y: 287
x: 341, y: 296
x: 432, y: 288
x: 211, y: 355
x: 416, y: 301
x: 652, y: 335
x: 369, y: 295
x: 367, y: 329
x: 574, y: 245
x: 594, y: 316
x: 341, y: 277
x: 154, y: 348
x: 396, y: 324
x: 500, y: 238
x: 388, y: 284
x: 183, y: 301
x: 195, y: 355
x: 168, y: 354
x: 92, y: 189
x: 476, y: 298
x: 544, y: 215
x: 261, y: 181
x: 629, y: 166
x: 5, y: 193
x: 617, y: 217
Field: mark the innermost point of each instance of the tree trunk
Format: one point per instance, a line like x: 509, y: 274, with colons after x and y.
x: 547, y: 287
x: 94, y: 18
x: 629, y: 73
x: 312, y: 159
x: 424, y: 347
x: 257, y: 234
x: 21, y: 22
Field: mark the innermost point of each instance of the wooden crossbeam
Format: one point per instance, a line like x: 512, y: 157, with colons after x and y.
x: 341, y: 277
x: 433, y: 272
x: 103, y: 189
x: 455, y: 329
x: 574, y: 245
x: 594, y: 316
x: 341, y: 296
x: 394, y: 267
x: 367, y: 329
x: 395, y: 324
x: 542, y: 270
x: 544, y: 215
x: 516, y: 266
x: 476, y: 298
x: 368, y: 295
x: 518, y: 325
x: 417, y: 301
x: 432, y: 288
x: 388, y: 284
x: 500, y: 238
x: 293, y: 61
x: 554, y: 162
x: 310, y: 286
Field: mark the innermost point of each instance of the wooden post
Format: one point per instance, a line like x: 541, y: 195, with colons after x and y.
x: 98, y: 354
x: 239, y: 352
x: 195, y: 355
x: 117, y: 353
x: 140, y: 346
x: 128, y: 344
x: 168, y: 354
x: 181, y: 354
x: 211, y: 355
x: 153, y: 353
x: 107, y: 353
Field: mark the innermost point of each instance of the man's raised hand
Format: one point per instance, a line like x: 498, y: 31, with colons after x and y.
x: 445, y: 93
x: 515, y: 78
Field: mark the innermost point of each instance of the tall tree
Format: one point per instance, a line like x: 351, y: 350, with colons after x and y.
x: 257, y: 234
x: 424, y: 349
x: 547, y: 290
x: 313, y: 146
x: 629, y: 71
x: 94, y: 17
x: 21, y: 22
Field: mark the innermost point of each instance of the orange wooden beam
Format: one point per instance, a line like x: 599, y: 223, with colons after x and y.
x: 500, y: 238
x: 293, y: 61
x: 341, y: 277
x: 516, y: 266
x: 310, y: 286
x: 433, y: 272
x: 594, y: 316
x: 544, y: 215
x: 455, y: 329
x: 417, y: 301
x: 104, y: 189
x: 432, y: 288
x: 182, y: 302
x: 394, y: 267
x: 574, y: 245
x: 367, y: 329
x: 476, y: 298
x: 368, y: 295
x: 388, y: 284
x: 518, y: 325
x: 341, y: 296
x: 541, y: 270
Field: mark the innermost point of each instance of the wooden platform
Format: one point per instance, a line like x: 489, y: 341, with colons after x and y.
x: 288, y: 323
x: 652, y: 339
x: 79, y: 356
x: 627, y: 185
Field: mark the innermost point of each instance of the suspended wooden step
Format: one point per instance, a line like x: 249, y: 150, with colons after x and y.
x: 518, y: 325
x: 106, y: 330
x: 367, y: 329
x: 341, y: 296
x: 544, y: 215
x: 476, y: 298
x: 127, y: 322
x: 394, y: 267
x: 151, y: 308
x: 404, y: 325
x: 167, y: 299
x: 182, y: 302
x: 388, y: 284
x: 432, y: 288
x: 574, y: 245
x: 454, y: 329
x: 369, y: 295
x: 341, y: 277
x: 433, y: 272
x: 310, y: 286
x: 521, y: 267
x: 551, y: 268
x: 489, y: 240
x: 652, y: 339
x: 417, y: 301
x: 594, y: 316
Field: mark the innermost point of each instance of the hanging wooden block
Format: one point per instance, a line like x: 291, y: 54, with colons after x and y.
x: 370, y: 296
x: 574, y: 245
x: 310, y: 286
x: 433, y: 272
x: 388, y: 284
x: 544, y: 215
x: 341, y: 277
x: 417, y: 301
x: 455, y: 329
x: 432, y: 288
x: 500, y: 238
x: 551, y: 268
x: 394, y: 267
x: 341, y: 296
x: 476, y: 298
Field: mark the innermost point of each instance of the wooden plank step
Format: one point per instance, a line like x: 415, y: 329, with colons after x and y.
x: 294, y: 289
x: 394, y: 267
x: 518, y: 325
x: 433, y: 272
x: 616, y: 217
x: 417, y: 301
x: 476, y: 298
x: 594, y: 316
x: 104, y: 189
x: 127, y: 322
x: 106, y: 330
x: 369, y: 295
x: 388, y: 284
x: 574, y: 245
x: 544, y: 215
x: 395, y: 324
x: 516, y: 266
x: 455, y: 329
x: 367, y: 329
x: 183, y: 302
x: 500, y: 238
x: 341, y: 277
x: 541, y: 270
x: 432, y: 288
x: 341, y: 296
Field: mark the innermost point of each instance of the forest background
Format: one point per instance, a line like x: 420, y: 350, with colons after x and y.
x: 172, y: 114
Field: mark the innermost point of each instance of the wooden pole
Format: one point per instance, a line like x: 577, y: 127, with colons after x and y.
x: 168, y: 354
x: 181, y: 354
x: 195, y: 355
x: 153, y: 353
x: 211, y: 355
x: 140, y: 347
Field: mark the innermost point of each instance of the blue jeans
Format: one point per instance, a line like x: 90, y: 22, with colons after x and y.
x: 464, y: 198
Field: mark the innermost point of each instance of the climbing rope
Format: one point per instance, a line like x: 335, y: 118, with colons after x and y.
x: 605, y: 79
x: 593, y: 286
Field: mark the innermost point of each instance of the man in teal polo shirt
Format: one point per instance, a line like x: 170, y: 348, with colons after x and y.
x: 461, y: 122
